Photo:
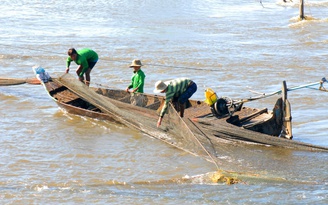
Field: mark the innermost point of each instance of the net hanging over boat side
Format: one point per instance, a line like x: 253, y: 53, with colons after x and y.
x: 173, y: 130
x: 90, y: 96
x: 190, y: 136
x: 178, y: 132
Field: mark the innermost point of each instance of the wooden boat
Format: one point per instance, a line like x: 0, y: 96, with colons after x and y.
x: 200, y: 122
x: 259, y: 120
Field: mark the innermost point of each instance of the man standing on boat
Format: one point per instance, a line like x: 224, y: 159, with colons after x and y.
x: 178, y: 90
x: 86, y: 59
x: 137, y: 79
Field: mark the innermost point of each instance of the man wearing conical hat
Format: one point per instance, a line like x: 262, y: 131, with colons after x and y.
x: 180, y: 89
x: 137, y: 79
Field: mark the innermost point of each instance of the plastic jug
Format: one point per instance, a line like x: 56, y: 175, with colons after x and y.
x: 210, y: 97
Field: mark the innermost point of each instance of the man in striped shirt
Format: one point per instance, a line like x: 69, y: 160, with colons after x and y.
x: 180, y: 89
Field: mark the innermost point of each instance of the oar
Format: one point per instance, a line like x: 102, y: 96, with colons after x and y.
x: 18, y: 81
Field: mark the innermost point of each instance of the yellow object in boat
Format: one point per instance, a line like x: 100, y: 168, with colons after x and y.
x: 210, y: 97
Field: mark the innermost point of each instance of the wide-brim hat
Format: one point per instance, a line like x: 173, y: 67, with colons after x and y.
x: 160, y: 86
x: 136, y: 62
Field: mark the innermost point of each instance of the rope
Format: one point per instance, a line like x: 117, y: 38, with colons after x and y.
x: 217, y: 166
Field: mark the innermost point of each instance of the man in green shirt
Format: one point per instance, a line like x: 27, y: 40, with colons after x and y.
x: 137, y: 79
x: 180, y: 90
x: 86, y: 59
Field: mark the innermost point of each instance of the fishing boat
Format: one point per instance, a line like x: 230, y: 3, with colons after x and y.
x: 222, y: 121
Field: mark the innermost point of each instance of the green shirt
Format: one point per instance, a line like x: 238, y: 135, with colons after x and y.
x: 138, y: 81
x: 174, y: 89
x: 84, y: 56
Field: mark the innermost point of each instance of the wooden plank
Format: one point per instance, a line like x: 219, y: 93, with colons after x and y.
x: 11, y: 81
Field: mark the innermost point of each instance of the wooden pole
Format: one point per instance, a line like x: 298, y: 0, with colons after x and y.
x: 287, y: 117
x: 302, y: 10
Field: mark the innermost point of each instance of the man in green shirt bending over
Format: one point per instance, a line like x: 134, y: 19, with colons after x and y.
x: 86, y: 59
x: 178, y: 90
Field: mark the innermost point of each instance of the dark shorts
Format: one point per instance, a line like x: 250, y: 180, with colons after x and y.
x: 188, y: 93
x: 92, y: 64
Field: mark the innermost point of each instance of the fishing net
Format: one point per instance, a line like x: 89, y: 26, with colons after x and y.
x: 141, y: 111
x: 130, y: 110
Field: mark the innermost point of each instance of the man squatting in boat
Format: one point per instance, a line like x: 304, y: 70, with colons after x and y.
x: 178, y: 90
x: 86, y: 59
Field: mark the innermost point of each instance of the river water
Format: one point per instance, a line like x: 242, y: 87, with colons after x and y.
x: 233, y: 47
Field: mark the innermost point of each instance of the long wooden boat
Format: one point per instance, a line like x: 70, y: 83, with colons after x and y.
x: 202, y: 122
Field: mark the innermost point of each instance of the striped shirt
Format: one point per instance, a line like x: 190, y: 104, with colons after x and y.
x: 174, y: 89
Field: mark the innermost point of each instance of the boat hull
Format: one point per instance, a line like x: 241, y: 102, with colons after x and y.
x: 252, y: 125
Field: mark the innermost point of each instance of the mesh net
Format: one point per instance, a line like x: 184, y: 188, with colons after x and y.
x: 173, y: 130
x: 140, y: 112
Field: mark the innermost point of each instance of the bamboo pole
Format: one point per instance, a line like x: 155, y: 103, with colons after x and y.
x: 265, y: 95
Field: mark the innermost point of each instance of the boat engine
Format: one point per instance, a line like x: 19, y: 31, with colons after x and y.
x: 224, y: 106
x: 221, y: 106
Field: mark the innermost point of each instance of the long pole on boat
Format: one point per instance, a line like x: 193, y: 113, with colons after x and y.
x: 264, y: 95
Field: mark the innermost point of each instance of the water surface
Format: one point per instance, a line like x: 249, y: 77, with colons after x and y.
x: 51, y: 157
